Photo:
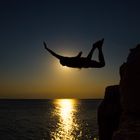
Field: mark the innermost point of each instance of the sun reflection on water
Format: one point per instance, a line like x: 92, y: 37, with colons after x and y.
x: 65, y: 110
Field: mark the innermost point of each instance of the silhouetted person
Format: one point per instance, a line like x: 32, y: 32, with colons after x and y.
x: 82, y: 62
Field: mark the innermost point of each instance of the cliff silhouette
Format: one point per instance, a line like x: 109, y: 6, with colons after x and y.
x: 119, y: 112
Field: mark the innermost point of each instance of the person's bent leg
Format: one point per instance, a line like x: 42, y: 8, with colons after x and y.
x: 101, y: 57
x: 91, y: 52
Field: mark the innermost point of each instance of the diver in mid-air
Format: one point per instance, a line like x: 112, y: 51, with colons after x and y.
x: 82, y: 62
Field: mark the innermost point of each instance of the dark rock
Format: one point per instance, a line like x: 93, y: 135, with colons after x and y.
x: 119, y: 113
x: 109, y: 113
x: 130, y: 82
x: 129, y: 127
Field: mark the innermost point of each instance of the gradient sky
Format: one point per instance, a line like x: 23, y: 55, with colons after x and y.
x: 68, y: 26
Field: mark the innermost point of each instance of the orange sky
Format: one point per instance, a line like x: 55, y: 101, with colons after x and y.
x: 58, y: 81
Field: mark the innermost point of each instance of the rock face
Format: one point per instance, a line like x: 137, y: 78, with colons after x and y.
x: 122, y: 113
x: 130, y: 82
x: 109, y: 113
x: 129, y: 128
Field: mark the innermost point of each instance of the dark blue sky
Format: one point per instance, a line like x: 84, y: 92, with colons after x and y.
x: 68, y: 27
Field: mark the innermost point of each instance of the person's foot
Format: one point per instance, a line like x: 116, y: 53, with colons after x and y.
x: 99, y: 43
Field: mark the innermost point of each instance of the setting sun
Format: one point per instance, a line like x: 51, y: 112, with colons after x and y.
x: 65, y: 68
x: 62, y: 69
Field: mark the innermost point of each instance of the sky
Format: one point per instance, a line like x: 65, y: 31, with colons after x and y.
x: 27, y: 70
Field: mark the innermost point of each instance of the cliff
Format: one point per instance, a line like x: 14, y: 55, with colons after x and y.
x: 109, y: 113
x: 128, y: 125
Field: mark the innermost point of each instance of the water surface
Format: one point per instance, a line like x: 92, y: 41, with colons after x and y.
x: 59, y: 119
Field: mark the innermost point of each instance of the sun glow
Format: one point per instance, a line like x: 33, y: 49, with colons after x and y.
x: 65, y: 68
x: 62, y: 69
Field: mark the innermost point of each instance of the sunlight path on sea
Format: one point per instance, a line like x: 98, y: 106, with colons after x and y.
x: 67, y: 127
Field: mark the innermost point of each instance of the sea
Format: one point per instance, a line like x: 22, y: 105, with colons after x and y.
x: 41, y: 119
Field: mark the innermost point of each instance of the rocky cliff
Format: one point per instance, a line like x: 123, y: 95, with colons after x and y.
x: 129, y: 127
x: 109, y: 113
x: 128, y: 124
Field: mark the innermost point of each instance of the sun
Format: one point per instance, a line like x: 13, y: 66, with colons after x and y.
x: 65, y: 68
x: 60, y: 68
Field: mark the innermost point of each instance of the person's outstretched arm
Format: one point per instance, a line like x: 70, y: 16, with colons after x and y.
x: 53, y: 53
x: 45, y: 46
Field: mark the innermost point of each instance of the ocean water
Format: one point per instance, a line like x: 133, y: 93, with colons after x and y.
x: 59, y: 119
